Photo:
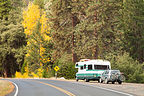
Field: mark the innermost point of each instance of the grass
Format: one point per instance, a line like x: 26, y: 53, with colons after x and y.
x: 5, y: 87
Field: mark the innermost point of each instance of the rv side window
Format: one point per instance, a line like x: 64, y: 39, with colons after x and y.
x: 84, y: 66
x: 89, y: 67
x: 95, y: 66
x: 101, y: 67
x: 108, y: 67
x: 81, y: 67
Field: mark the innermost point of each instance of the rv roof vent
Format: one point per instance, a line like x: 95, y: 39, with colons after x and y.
x: 82, y: 60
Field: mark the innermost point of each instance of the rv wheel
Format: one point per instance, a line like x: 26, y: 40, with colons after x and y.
x: 100, y: 80
x: 86, y: 80
x: 77, y: 80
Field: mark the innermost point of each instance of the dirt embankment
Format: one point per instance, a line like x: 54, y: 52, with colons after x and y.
x: 6, y: 87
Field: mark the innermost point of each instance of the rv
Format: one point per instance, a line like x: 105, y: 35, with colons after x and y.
x: 91, y: 69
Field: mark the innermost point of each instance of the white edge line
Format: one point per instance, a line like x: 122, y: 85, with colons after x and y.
x: 16, y: 88
x: 112, y: 90
x: 109, y: 89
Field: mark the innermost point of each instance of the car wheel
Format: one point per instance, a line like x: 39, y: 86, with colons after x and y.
x: 121, y: 78
x: 120, y: 82
x: 77, y: 80
x: 106, y: 81
x: 86, y: 80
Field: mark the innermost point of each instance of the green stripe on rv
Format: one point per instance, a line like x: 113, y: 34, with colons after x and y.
x: 94, y: 70
x: 88, y: 74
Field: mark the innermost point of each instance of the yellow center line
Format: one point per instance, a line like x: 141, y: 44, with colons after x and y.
x: 58, y: 88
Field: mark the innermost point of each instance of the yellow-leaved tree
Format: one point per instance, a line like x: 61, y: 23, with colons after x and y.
x: 31, y: 16
x: 37, y: 30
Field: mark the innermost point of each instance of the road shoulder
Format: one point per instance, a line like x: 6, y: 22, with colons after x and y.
x: 131, y: 88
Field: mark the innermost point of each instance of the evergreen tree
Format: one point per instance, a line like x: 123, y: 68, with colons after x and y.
x: 12, y: 41
x: 64, y: 20
x: 5, y: 7
x: 97, y: 33
x: 132, y: 24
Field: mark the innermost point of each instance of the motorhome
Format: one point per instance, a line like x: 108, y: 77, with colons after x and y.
x: 91, y: 69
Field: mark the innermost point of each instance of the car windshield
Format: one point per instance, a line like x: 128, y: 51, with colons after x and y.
x: 115, y: 71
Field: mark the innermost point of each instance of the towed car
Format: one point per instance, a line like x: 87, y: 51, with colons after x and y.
x: 112, y: 76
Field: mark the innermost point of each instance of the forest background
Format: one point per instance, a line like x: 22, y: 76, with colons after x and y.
x: 37, y: 35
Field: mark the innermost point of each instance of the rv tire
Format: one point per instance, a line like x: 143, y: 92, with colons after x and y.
x: 100, y: 80
x: 86, y: 80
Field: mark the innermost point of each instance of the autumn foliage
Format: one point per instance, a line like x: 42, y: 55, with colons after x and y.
x: 37, y: 31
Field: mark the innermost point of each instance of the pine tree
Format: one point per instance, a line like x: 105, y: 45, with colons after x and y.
x: 64, y: 20
x: 132, y: 25
x: 5, y: 7
x: 12, y: 42
x: 97, y: 33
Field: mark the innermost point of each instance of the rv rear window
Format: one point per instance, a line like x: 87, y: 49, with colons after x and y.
x: 89, y: 67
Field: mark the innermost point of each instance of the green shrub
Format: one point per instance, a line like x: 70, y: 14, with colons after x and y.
x: 67, y: 70
x: 132, y: 69
x: 136, y: 77
x: 47, y: 73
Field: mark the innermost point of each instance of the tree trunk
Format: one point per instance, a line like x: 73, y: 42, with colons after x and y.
x: 96, y: 52
x: 5, y: 73
x: 75, y: 21
x: 96, y: 49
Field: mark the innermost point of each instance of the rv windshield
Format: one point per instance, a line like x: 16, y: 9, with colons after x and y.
x: 101, y: 67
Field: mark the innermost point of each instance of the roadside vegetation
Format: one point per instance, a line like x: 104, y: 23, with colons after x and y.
x: 37, y: 35
x: 5, y: 87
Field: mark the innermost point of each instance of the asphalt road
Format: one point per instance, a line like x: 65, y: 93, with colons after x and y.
x: 42, y: 87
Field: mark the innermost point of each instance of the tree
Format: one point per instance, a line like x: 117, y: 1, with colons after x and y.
x: 132, y: 25
x: 37, y: 31
x: 5, y: 7
x: 12, y: 42
x: 98, y: 34
x: 88, y: 28
x: 64, y: 21
x: 40, y: 3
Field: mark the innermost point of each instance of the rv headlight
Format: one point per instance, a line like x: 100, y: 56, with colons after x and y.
x: 95, y: 75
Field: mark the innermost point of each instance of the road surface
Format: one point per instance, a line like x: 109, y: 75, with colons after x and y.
x: 44, y: 87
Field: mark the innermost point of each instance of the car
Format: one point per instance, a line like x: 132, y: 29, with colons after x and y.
x: 112, y: 76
